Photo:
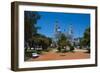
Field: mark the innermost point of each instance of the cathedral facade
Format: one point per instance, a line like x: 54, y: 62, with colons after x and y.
x: 58, y: 32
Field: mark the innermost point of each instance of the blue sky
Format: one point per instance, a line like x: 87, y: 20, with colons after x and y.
x: 47, y: 22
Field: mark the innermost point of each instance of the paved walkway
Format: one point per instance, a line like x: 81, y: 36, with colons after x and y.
x: 80, y: 50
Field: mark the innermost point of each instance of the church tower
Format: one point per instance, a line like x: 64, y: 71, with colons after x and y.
x: 70, y: 34
x: 57, y: 32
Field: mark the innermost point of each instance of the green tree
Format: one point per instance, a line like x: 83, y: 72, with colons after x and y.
x: 30, y: 20
x: 86, y: 37
x: 41, y: 40
x: 85, y: 41
x: 62, y: 42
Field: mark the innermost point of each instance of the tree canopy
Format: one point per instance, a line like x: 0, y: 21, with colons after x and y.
x: 63, y: 41
x: 85, y: 40
x: 30, y: 20
x: 31, y: 35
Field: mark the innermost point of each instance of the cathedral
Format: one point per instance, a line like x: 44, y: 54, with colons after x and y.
x: 58, y: 32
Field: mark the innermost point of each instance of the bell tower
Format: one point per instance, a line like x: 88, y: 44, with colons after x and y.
x: 70, y: 34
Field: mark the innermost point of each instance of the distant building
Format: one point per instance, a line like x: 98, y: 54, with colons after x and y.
x: 77, y: 42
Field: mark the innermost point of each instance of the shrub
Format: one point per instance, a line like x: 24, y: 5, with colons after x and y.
x: 71, y: 48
